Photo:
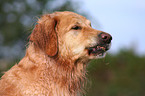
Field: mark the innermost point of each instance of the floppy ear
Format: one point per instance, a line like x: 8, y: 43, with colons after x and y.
x: 44, y: 35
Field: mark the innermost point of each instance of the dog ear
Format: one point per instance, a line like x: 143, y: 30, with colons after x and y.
x: 44, y: 35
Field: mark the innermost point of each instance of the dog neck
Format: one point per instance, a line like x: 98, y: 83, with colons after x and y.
x: 68, y: 75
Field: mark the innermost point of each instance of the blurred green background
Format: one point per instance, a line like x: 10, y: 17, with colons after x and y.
x: 119, y: 74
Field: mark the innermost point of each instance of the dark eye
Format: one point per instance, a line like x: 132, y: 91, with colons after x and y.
x: 76, y: 27
x: 91, y: 25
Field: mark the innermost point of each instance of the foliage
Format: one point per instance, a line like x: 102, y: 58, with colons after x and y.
x: 117, y: 75
x: 16, y: 15
x: 17, y: 18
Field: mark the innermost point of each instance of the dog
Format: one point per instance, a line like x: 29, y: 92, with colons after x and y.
x: 60, y: 46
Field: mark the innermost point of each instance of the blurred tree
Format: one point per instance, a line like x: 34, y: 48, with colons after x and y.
x: 17, y: 18
x: 122, y: 74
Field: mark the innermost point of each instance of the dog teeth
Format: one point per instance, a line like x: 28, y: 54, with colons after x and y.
x: 103, y: 48
x: 99, y: 48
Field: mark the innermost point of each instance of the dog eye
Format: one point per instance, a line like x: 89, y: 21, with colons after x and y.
x: 90, y: 24
x: 76, y: 27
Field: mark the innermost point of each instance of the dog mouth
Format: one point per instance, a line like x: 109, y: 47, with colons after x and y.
x: 98, y: 50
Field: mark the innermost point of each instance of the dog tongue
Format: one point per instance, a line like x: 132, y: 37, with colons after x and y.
x: 94, y: 49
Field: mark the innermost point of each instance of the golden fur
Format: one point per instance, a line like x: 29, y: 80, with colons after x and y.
x: 55, y: 60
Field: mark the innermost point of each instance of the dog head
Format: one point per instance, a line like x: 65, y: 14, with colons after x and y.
x: 69, y: 35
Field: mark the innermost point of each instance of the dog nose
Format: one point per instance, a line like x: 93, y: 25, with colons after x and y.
x: 105, y: 37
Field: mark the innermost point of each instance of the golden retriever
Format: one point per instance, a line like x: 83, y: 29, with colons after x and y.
x: 60, y: 47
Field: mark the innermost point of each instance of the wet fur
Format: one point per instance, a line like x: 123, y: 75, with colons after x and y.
x: 55, y: 60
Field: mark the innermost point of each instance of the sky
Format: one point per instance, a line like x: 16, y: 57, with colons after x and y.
x: 123, y: 19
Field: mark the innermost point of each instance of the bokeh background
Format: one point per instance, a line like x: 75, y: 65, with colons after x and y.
x: 120, y: 73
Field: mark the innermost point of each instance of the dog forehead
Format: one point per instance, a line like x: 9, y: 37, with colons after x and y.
x: 70, y: 17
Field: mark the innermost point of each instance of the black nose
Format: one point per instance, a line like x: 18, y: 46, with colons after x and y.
x: 105, y: 38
